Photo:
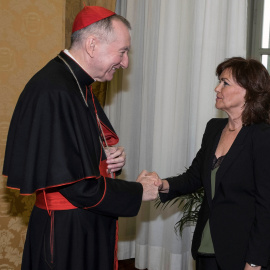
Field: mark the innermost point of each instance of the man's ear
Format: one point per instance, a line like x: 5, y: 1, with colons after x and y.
x: 90, y: 45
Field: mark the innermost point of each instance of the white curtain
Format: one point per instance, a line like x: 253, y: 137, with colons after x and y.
x: 160, y: 105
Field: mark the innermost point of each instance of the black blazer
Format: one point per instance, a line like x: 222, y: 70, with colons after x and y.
x: 239, y: 214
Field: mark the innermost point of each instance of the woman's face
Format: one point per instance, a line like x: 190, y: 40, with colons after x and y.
x: 230, y: 95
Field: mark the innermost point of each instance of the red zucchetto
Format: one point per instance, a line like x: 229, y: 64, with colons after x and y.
x: 89, y: 15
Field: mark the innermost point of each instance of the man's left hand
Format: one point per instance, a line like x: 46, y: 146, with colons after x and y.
x: 116, y: 158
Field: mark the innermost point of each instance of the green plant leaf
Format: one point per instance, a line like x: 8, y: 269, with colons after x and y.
x: 190, y: 204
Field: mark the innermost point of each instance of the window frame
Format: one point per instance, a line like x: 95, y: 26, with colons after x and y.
x: 254, y: 34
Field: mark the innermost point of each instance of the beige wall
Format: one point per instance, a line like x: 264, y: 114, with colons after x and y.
x: 31, y: 33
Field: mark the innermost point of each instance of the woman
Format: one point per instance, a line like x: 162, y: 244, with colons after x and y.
x: 233, y: 166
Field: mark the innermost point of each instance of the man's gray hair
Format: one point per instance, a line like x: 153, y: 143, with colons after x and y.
x: 102, y: 29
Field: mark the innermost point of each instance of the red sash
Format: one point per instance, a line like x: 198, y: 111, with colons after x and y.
x: 50, y: 199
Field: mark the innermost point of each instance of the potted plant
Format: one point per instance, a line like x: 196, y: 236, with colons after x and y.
x: 190, y: 205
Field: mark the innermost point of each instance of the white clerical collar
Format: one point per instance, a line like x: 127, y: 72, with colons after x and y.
x: 66, y: 51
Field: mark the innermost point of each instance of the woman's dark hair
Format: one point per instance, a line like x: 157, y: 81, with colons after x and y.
x: 254, y: 77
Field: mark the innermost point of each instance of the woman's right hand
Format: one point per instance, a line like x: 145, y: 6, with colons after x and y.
x: 164, y: 187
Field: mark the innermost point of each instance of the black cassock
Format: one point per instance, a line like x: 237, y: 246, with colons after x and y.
x: 54, y: 145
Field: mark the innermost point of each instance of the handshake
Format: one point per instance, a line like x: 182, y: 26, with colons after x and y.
x: 151, y: 185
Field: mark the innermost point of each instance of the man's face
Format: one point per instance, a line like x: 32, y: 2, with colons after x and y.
x: 113, y: 54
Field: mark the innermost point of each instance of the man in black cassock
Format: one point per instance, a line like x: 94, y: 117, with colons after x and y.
x: 59, y: 147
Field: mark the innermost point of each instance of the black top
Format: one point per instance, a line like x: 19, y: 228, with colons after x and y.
x: 239, y: 214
